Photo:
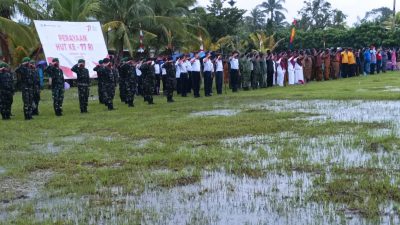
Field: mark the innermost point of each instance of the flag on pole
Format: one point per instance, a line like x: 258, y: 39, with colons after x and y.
x: 141, y: 37
x: 201, y: 43
x: 293, y: 33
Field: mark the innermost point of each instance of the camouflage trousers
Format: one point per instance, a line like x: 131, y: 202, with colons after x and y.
x: 36, y: 100
x: 27, y: 98
x: 100, y: 90
x: 6, y: 100
x: 148, y: 89
x: 83, y: 92
x: 108, y: 95
x: 58, y: 98
x: 122, y: 90
x: 169, y: 88
x: 246, y: 81
x: 130, y: 92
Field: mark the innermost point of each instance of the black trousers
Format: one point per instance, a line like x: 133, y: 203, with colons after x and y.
x: 235, y: 80
x: 378, y: 66
x: 270, y: 78
x: 372, y: 68
x: 164, y: 78
x: 207, y: 83
x: 178, y: 86
x: 184, y: 81
x: 196, y: 83
x: 158, y: 84
x: 352, y: 70
x: 345, y: 70
x: 189, y: 83
x: 219, y: 78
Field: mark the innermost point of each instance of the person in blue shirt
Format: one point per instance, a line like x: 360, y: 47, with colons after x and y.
x: 367, y: 61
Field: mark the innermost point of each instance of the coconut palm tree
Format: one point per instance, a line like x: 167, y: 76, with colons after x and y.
x: 261, y: 42
x: 73, y: 10
x: 274, y: 8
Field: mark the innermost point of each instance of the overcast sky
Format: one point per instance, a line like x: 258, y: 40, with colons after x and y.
x: 352, y: 8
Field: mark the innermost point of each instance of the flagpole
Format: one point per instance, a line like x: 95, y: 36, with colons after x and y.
x: 394, y: 14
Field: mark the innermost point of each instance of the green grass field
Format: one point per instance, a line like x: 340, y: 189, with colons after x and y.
x: 335, y: 161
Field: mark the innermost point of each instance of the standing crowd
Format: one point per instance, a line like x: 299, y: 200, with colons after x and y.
x: 186, y: 72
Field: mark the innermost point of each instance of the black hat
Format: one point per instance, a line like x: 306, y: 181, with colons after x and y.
x: 106, y: 60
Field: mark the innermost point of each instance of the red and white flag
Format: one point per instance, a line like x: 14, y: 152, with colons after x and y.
x: 141, y: 37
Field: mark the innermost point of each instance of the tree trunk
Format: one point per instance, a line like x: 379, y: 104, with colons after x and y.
x: 5, y: 48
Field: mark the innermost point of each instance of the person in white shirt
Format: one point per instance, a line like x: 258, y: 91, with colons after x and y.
x: 139, y: 78
x: 196, y: 67
x: 234, y: 61
x: 163, y: 74
x: 178, y: 76
x: 219, y: 77
x: 189, y: 71
x: 184, y: 75
x: 208, y: 70
x: 157, y: 72
x: 280, y: 71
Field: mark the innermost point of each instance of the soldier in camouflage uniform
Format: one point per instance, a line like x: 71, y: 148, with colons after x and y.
x: 123, y: 78
x: 245, y: 72
x: 57, y: 85
x: 256, y: 72
x: 36, y: 89
x: 263, y: 67
x: 149, y: 79
x: 122, y: 81
x: 127, y: 76
x: 6, y: 91
x: 109, y: 80
x: 100, y: 85
x: 83, y: 80
x: 170, y: 79
x: 24, y: 70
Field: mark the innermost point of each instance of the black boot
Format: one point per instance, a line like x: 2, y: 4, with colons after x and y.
x: 110, y: 107
x: 58, y: 112
x: 169, y: 99
x: 151, y: 101
x: 27, y: 117
x: 130, y: 104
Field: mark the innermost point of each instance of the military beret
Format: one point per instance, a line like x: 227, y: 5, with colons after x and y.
x: 100, y: 61
x: 106, y: 60
x: 26, y: 59
x: 81, y: 61
x: 125, y: 59
x: 3, y: 65
x: 56, y: 60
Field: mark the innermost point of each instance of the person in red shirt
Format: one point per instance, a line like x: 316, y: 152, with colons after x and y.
x: 378, y: 61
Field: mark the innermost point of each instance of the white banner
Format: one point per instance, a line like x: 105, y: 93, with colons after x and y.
x: 71, y: 41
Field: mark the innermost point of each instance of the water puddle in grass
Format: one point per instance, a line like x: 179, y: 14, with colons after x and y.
x: 342, y: 111
x: 76, y: 139
x: 218, y: 112
x: 342, y: 150
x: 392, y: 89
x: 380, y: 132
x: 48, y: 148
x: 218, y: 198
